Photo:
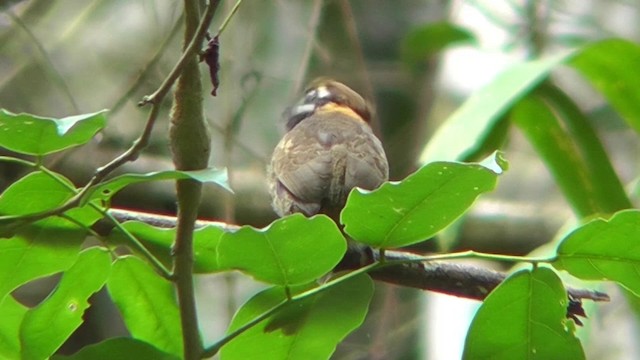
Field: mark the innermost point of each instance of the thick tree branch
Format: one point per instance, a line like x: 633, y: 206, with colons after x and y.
x: 467, y: 281
x: 461, y: 280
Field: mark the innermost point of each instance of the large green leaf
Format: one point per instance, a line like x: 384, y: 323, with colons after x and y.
x: 305, y: 329
x: 609, y: 191
x: 558, y: 151
x: 292, y: 250
x: 604, y: 250
x: 12, y: 315
x: 524, y: 318
x: 611, y: 66
x: 464, y: 132
x: 35, y: 135
x: 119, y: 348
x: 414, y: 209
x: 147, y: 303
x: 567, y: 143
x: 160, y: 241
x: 46, y: 327
x: 43, y: 248
x: 33, y: 193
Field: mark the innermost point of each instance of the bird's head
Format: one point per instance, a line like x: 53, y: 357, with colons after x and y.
x: 325, y: 94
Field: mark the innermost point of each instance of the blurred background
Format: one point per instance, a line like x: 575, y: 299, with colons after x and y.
x: 60, y: 58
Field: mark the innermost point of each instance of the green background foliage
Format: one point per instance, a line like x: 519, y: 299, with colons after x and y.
x: 306, y: 310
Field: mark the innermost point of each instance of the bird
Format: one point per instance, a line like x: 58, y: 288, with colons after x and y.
x: 328, y: 149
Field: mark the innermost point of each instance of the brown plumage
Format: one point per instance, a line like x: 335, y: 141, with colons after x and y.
x: 328, y: 150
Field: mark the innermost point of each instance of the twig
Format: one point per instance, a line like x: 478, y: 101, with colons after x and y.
x: 189, y: 51
x: 226, y: 20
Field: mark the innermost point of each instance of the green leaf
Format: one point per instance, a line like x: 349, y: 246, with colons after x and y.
x: 34, y: 193
x: 524, y: 318
x: 611, y: 65
x: 571, y: 150
x: 46, y: 247
x: 605, y: 183
x: 39, y: 192
x: 464, y: 132
x: 109, y: 188
x: 46, y: 327
x: 428, y: 40
x: 558, y: 151
x: 12, y: 315
x: 147, y: 303
x: 119, y: 348
x: 291, y: 250
x: 604, y: 250
x: 160, y: 241
x: 35, y: 135
x: 306, y: 329
x: 403, y: 213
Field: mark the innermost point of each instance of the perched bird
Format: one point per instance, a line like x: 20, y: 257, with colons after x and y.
x: 328, y: 149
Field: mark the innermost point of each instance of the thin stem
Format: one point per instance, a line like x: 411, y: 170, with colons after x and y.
x: 473, y: 254
x: 225, y: 22
x: 189, y: 51
x: 160, y: 268
x: 105, y: 213
x: 18, y: 161
x: 92, y: 232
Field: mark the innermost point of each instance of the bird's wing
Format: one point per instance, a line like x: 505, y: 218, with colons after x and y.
x: 303, y: 166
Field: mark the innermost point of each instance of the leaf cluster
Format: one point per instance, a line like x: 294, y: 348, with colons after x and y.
x: 306, y: 310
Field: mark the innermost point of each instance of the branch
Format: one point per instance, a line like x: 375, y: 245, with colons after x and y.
x: 404, y: 269
x: 161, y: 221
x: 467, y: 281
x: 190, y: 145
x: 187, y: 55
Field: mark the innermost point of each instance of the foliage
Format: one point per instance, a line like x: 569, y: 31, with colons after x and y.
x: 536, y: 326
x: 307, y: 311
